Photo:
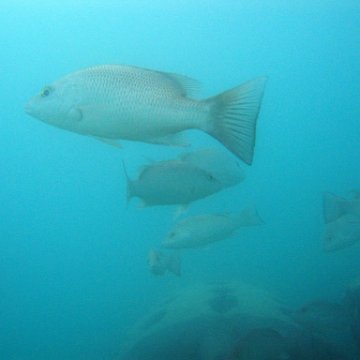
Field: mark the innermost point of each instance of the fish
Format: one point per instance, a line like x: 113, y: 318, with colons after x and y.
x: 335, y: 206
x: 330, y: 322
x: 341, y: 233
x: 201, y: 230
x: 113, y: 102
x: 261, y: 344
x: 218, y: 163
x: 322, y: 316
x: 171, y: 182
x: 160, y: 263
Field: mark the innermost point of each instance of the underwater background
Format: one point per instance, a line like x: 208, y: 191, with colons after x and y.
x: 73, y: 254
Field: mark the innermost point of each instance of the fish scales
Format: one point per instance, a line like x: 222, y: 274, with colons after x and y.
x: 143, y: 100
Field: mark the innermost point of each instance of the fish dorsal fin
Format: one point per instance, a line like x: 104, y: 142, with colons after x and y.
x: 183, y: 85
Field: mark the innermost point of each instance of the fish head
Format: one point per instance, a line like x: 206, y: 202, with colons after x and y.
x: 177, y: 238
x: 57, y: 104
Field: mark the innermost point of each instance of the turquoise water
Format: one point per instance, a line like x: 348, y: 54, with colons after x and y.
x: 73, y: 256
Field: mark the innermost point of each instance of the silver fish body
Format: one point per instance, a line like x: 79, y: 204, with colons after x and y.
x: 201, y: 230
x: 124, y: 102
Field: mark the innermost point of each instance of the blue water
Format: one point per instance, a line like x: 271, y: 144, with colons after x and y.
x: 73, y: 256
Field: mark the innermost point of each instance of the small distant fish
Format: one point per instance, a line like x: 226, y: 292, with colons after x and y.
x: 172, y: 182
x: 261, y: 344
x: 113, y: 102
x: 160, y: 263
x: 335, y: 206
x: 342, y: 221
x: 218, y: 163
x: 322, y: 316
x: 341, y: 233
x: 200, y: 230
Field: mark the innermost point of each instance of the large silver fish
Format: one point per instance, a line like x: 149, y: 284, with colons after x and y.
x: 200, y: 230
x: 123, y: 102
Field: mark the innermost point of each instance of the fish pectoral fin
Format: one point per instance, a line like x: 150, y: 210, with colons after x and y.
x: 170, y: 140
x: 111, y: 142
x: 75, y: 114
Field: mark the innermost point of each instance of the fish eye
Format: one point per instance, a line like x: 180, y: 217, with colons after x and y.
x: 46, y: 91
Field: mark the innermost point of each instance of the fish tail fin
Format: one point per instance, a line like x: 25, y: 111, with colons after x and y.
x: 129, y: 186
x: 250, y: 217
x: 233, y: 117
x: 334, y: 206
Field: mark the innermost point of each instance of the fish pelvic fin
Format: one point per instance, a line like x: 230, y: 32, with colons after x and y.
x: 233, y: 117
x: 333, y: 207
x: 111, y: 142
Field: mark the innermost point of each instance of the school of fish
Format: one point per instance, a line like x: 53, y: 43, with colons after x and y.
x: 118, y: 102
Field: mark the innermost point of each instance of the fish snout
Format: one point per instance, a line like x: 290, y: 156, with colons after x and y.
x: 29, y: 109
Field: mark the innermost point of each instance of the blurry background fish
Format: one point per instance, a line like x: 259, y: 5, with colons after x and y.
x: 172, y: 183
x: 342, y: 222
x: 201, y: 230
x: 160, y: 263
x: 181, y: 181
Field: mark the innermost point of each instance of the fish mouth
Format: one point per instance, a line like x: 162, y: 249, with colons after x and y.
x: 29, y: 109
